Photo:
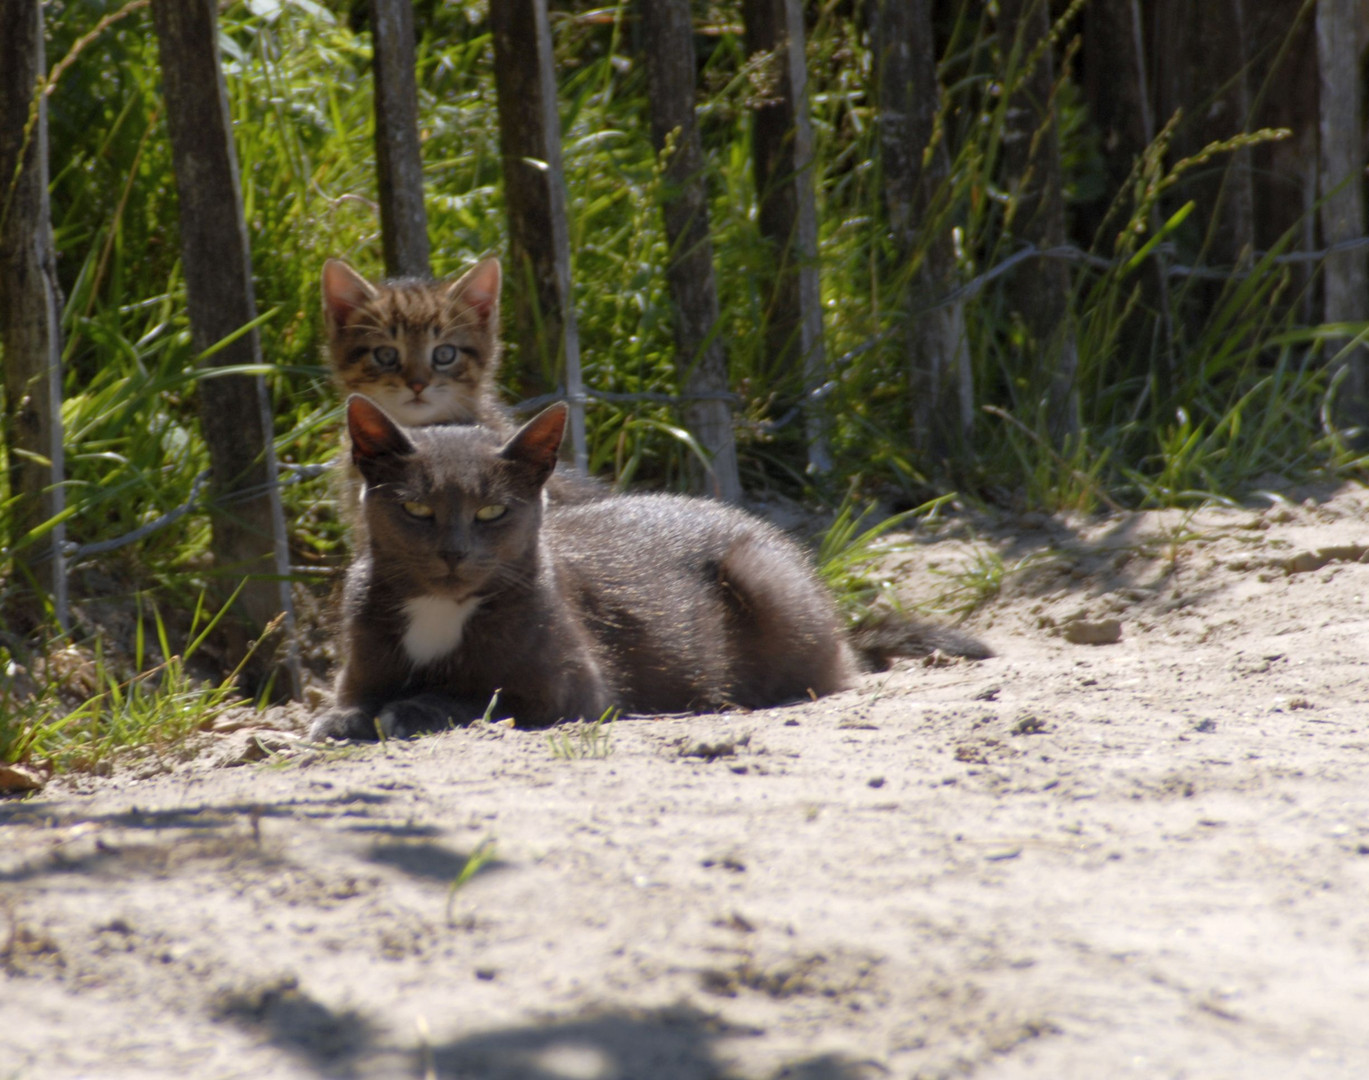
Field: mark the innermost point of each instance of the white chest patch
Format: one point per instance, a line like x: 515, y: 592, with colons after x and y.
x: 435, y: 626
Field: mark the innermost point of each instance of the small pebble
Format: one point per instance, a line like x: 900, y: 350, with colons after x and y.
x: 1102, y: 632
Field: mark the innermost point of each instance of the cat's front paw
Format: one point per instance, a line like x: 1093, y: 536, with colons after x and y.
x: 416, y: 715
x: 343, y: 724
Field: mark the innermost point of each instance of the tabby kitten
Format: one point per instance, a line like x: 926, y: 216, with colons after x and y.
x: 470, y: 584
x: 425, y: 351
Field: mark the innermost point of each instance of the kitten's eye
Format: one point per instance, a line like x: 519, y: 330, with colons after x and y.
x: 493, y: 512
x: 387, y: 356
x: 444, y: 355
x: 418, y: 509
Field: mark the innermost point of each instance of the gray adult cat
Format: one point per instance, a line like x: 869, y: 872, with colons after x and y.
x: 470, y: 583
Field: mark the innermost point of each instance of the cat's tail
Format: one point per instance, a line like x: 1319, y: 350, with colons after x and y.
x: 879, y: 639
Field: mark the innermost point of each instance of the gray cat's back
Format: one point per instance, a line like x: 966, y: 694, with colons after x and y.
x: 697, y: 602
x: 635, y: 532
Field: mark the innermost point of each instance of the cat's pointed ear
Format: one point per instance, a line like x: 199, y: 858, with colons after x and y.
x: 375, y: 436
x: 539, y: 440
x: 344, y: 290
x: 477, y: 290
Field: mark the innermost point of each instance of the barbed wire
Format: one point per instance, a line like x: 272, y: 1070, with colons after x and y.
x: 72, y: 551
x: 1070, y: 253
x: 294, y: 474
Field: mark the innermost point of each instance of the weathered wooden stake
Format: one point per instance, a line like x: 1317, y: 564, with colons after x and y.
x: 1117, y: 87
x: 535, y: 198
x: 782, y: 151
x: 30, y: 309
x: 1340, y: 36
x: 1222, y: 24
x: 1031, y: 153
x: 668, y: 42
x: 935, y: 343
x: 399, y: 160
x: 249, y: 537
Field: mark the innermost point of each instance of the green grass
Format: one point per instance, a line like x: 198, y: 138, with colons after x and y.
x: 148, y: 703
x: 583, y: 739
x: 1189, y: 391
x: 485, y: 853
x: 851, y: 554
x: 974, y: 584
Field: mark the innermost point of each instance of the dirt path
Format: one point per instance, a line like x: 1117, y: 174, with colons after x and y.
x: 1147, y: 858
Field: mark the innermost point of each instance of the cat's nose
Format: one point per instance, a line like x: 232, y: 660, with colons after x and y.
x: 418, y: 386
x: 453, y: 557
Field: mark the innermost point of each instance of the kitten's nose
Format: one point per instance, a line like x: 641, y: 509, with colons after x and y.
x: 418, y: 386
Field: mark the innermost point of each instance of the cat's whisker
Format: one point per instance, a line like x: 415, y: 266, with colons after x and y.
x: 513, y: 578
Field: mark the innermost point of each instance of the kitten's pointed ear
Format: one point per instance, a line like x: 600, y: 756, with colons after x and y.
x: 374, y: 435
x: 478, y: 290
x: 344, y: 290
x: 539, y: 440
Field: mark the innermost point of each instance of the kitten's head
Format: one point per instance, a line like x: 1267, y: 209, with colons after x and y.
x: 452, y: 511
x: 427, y: 351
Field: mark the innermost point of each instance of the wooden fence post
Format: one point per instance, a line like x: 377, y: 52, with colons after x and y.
x: 535, y: 198
x: 249, y: 537
x: 399, y: 160
x: 1031, y: 154
x: 1340, y: 37
x: 30, y: 310
x: 1116, y: 87
x: 668, y: 42
x: 782, y: 152
x: 941, y: 381
x: 1222, y: 27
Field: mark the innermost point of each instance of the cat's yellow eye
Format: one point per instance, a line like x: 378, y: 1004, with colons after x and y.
x: 493, y: 512
x: 417, y: 509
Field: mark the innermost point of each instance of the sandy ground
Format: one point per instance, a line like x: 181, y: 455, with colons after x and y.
x: 1146, y: 858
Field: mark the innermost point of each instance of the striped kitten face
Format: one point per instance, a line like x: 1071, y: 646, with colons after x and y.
x: 425, y: 351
